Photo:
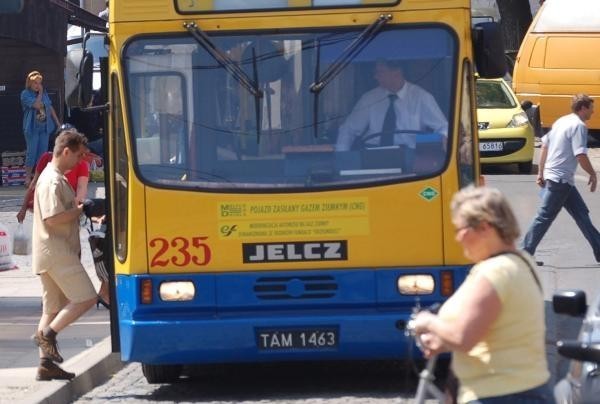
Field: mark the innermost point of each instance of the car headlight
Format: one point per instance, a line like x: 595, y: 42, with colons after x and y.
x: 518, y: 120
x: 177, y: 291
x: 422, y: 284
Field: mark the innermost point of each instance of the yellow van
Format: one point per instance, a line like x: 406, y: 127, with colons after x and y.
x: 560, y: 57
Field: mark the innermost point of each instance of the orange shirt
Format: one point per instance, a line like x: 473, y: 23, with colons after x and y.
x: 82, y: 169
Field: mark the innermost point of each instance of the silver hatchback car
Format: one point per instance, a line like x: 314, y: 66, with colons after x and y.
x: 582, y: 382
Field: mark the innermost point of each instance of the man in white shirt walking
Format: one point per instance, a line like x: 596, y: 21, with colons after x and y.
x: 563, y: 148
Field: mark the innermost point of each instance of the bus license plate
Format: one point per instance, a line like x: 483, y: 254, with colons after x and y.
x: 310, y: 338
x: 491, y: 146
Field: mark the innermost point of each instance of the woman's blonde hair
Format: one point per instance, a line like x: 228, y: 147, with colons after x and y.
x: 475, y: 205
x: 31, y: 77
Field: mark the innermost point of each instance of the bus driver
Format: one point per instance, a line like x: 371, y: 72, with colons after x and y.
x: 395, y: 104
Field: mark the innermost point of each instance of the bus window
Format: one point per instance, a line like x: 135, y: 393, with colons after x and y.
x: 121, y: 176
x: 160, y: 126
x: 196, y: 125
x: 186, y: 6
x: 466, y: 151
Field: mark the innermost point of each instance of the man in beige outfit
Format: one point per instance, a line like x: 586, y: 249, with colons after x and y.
x: 67, y: 291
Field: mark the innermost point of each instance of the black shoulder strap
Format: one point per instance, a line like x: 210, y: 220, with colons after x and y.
x: 526, y: 261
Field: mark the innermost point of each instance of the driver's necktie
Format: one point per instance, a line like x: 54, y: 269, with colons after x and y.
x: 389, y: 123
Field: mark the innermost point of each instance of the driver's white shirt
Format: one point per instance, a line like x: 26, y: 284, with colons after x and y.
x: 416, y: 109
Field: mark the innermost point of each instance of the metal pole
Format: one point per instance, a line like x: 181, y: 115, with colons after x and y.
x: 426, y: 379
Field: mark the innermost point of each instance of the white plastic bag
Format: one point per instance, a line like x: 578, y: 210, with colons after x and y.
x: 6, y: 258
x: 21, y: 241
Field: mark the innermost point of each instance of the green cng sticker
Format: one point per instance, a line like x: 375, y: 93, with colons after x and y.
x: 429, y: 193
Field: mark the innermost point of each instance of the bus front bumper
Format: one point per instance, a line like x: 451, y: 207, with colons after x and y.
x: 273, y: 316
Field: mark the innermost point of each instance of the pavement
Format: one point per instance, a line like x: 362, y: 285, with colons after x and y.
x: 92, y: 366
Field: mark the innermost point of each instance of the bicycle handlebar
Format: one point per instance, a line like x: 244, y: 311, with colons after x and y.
x: 409, y: 330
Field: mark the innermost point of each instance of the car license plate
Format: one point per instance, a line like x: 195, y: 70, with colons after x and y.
x: 301, y: 338
x: 491, y: 146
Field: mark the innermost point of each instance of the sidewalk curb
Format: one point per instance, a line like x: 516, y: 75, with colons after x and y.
x: 93, y: 367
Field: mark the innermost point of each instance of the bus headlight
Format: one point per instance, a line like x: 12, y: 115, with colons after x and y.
x: 177, y: 291
x: 421, y: 284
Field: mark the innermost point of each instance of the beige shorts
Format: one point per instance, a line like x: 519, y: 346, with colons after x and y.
x: 69, y: 285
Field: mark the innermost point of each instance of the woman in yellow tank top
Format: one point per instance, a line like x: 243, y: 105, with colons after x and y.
x: 494, y: 323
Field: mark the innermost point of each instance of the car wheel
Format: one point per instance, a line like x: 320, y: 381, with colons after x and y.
x: 156, y: 374
x: 525, y: 168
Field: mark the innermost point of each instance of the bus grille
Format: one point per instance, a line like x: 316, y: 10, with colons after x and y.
x: 295, y: 287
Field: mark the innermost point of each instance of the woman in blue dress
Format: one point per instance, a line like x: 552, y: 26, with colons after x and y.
x: 39, y: 120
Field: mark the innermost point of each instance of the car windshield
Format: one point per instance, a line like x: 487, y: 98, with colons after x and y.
x: 196, y: 124
x: 494, y: 94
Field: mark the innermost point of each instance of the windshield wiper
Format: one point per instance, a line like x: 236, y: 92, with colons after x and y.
x: 316, y: 94
x: 223, y: 59
x: 350, y: 52
x: 232, y: 68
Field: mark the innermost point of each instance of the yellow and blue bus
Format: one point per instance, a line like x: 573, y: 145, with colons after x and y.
x: 241, y: 230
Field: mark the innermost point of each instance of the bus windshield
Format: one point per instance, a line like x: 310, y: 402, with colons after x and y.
x: 196, y: 125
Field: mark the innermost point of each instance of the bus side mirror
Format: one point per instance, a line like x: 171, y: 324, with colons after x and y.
x: 78, y: 78
x: 489, y: 50
x: 86, y: 76
x: 79, y: 74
